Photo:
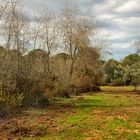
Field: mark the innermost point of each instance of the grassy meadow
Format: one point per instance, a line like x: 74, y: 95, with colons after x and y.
x: 119, y: 88
x: 105, y: 115
x: 54, y: 55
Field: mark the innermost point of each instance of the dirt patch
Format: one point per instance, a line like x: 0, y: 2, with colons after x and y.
x: 19, y: 127
x: 34, y: 122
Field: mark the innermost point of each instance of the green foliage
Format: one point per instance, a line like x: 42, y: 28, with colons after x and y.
x: 118, y: 81
x: 135, y: 72
x: 125, y: 73
x: 110, y: 67
x: 131, y: 59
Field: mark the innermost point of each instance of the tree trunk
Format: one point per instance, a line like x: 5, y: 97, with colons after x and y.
x: 71, y: 71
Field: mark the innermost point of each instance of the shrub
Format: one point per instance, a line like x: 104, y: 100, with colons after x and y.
x: 61, y: 90
x: 117, y: 82
x: 96, y: 88
x: 33, y: 93
x: 2, y: 109
x: 10, y: 104
x: 83, y: 85
x: 63, y: 93
x: 43, y: 102
x: 80, y: 84
x: 76, y: 90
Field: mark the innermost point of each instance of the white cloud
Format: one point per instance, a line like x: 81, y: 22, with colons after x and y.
x: 119, y: 20
x: 129, y: 21
x: 129, y: 6
x: 113, y: 35
x: 106, y: 17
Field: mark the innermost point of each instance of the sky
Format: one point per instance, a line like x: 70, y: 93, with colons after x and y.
x: 118, y: 20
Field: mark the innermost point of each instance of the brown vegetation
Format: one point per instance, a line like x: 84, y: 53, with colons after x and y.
x: 29, y: 71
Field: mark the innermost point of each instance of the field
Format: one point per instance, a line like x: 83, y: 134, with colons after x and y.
x: 112, y: 114
x: 119, y: 88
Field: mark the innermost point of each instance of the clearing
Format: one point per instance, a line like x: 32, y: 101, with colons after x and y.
x: 113, y: 114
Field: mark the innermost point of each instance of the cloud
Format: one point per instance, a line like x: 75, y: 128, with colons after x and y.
x: 118, y: 20
x: 130, y: 6
x: 129, y: 21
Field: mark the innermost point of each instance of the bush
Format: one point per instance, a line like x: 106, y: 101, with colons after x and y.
x: 61, y: 90
x: 63, y: 93
x: 33, y: 93
x: 2, y: 112
x: 83, y: 85
x: 10, y: 104
x: 117, y: 82
x: 43, y: 102
x: 96, y: 88
x: 76, y: 90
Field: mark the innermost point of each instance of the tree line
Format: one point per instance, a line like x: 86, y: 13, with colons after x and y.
x: 32, y: 69
x: 124, y: 72
x: 50, y: 55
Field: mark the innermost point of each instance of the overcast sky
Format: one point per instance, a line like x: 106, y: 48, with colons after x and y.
x: 118, y: 20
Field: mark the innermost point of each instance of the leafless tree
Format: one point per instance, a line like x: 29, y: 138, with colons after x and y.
x: 76, y: 31
x: 3, y: 7
x: 48, y: 34
x: 15, y: 31
x: 14, y: 26
x: 35, y: 31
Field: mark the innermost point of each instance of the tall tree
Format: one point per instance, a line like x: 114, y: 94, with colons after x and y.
x: 90, y: 60
x: 15, y: 32
x: 15, y: 26
x: 48, y: 34
x: 75, y: 32
x: 136, y: 74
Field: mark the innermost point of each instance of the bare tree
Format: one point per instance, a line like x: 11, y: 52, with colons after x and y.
x: 35, y: 31
x: 14, y: 27
x: 15, y: 32
x: 48, y: 34
x: 76, y: 31
x: 3, y: 7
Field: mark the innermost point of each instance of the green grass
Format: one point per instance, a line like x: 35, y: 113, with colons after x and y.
x: 119, y: 88
x: 102, y: 116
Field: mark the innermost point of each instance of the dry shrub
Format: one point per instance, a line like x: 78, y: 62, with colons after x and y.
x: 34, y: 93
x: 81, y: 84
x: 61, y: 90
x: 10, y: 104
